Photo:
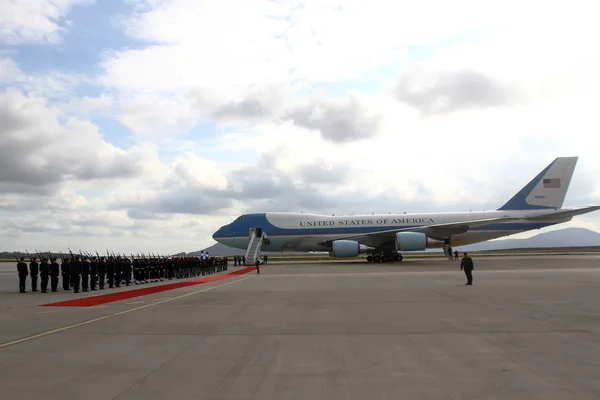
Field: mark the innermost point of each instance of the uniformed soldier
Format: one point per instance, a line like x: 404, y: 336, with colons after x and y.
x: 170, y: 268
x: 118, y: 270
x: 93, y: 273
x: 65, y: 269
x: 54, y: 272
x: 85, y: 274
x: 34, y: 270
x: 257, y: 263
x: 22, y: 269
x: 76, y: 274
x: 127, y: 270
x: 467, y: 265
x: 45, y: 274
x: 110, y: 271
x: 101, y: 272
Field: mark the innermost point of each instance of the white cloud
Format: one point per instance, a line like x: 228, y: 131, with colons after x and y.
x: 255, y: 73
x: 195, y: 171
x: 35, y: 21
x: 39, y: 150
x: 217, y: 55
x: 9, y: 70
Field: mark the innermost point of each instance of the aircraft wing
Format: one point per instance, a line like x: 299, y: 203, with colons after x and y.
x: 434, y: 230
x: 563, y: 214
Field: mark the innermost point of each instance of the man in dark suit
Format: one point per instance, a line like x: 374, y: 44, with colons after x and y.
x: 467, y: 265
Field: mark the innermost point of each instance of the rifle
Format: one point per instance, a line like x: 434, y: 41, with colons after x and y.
x: 29, y: 255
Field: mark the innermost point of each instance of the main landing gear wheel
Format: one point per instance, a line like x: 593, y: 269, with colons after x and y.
x: 377, y: 258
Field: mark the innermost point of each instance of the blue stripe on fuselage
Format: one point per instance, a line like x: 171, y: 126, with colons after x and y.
x: 240, y: 228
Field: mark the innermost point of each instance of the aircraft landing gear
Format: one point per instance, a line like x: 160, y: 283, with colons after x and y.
x: 383, y: 257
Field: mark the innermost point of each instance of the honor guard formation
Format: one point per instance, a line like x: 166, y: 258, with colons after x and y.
x: 84, y: 271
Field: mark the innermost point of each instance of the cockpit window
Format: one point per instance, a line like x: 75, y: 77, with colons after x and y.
x: 239, y: 218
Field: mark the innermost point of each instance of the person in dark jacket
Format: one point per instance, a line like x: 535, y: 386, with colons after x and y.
x: 44, y: 274
x: 34, y: 271
x: 85, y: 273
x: 101, y: 272
x: 467, y: 265
x: 22, y: 269
x: 65, y: 269
x: 54, y: 273
x: 76, y: 274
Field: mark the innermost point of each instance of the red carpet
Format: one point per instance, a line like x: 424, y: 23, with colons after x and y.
x: 128, y: 294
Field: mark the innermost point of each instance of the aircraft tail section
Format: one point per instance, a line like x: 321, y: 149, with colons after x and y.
x: 547, y: 190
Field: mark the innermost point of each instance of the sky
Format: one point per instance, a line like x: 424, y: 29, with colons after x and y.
x: 144, y: 126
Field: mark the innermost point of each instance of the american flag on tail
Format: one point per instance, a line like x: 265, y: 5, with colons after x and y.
x: 552, y: 183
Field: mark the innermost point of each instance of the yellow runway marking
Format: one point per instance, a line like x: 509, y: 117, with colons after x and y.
x: 39, y: 335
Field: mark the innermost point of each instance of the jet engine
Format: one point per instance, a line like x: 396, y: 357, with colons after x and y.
x: 347, y: 248
x: 415, y: 241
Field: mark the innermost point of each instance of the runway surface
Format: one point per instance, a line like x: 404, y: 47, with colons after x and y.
x: 529, y: 328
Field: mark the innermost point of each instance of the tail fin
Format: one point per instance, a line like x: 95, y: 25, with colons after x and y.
x: 547, y: 190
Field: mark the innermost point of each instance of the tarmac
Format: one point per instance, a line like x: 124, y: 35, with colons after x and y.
x: 529, y: 328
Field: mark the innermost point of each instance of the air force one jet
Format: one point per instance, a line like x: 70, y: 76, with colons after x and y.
x: 384, y: 237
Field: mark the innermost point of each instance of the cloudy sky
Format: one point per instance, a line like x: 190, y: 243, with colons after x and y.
x: 145, y: 125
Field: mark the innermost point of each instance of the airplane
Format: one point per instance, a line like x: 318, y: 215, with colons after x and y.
x: 383, y: 237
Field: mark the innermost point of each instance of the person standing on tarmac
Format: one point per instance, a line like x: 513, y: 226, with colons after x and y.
x: 257, y: 263
x: 54, y: 272
x: 45, y: 274
x: 22, y: 269
x: 34, y: 270
x: 65, y: 269
x: 467, y: 265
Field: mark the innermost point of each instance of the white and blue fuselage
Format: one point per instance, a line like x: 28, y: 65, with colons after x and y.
x: 312, y: 232
x: 535, y: 206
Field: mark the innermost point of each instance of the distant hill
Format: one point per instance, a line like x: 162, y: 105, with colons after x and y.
x: 220, y: 250
x: 568, y: 237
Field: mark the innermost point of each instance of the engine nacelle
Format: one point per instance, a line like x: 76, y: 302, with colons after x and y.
x: 347, y: 248
x: 415, y: 241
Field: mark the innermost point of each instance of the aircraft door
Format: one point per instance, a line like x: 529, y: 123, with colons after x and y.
x: 257, y: 231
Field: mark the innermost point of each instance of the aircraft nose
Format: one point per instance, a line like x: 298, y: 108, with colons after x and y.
x: 216, y: 235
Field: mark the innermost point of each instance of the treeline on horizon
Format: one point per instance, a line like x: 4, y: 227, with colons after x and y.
x: 19, y: 254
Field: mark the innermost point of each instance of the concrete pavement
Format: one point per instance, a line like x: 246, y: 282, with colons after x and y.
x: 529, y: 329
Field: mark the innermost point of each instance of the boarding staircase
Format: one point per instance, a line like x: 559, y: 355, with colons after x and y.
x: 253, y: 250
